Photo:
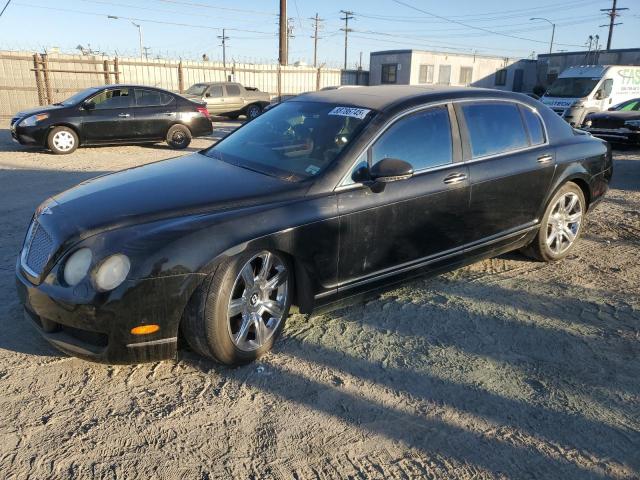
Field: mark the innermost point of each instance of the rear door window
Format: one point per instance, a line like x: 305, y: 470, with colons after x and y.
x: 494, y: 128
x: 152, y: 98
x: 233, y: 90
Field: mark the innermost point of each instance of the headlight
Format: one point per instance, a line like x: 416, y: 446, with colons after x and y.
x: 33, y: 119
x: 112, y: 272
x: 587, y: 123
x: 77, y: 266
x: 632, y: 123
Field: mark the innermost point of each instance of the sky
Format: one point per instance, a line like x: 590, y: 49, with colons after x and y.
x: 190, y: 28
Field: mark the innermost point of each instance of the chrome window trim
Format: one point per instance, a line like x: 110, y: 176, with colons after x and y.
x: 342, y: 186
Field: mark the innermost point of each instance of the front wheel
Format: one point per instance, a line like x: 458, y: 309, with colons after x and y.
x: 237, y: 314
x: 179, y: 137
x: 561, y: 225
x: 62, y: 140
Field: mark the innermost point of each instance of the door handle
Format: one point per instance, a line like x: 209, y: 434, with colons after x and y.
x: 124, y: 115
x: 545, y: 158
x: 169, y: 113
x: 455, y: 178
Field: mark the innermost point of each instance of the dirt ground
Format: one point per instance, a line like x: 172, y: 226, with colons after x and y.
x: 506, y: 369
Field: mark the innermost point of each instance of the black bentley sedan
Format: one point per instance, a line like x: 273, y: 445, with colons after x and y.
x: 619, y: 124
x: 110, y: 115
x: 318, y: 202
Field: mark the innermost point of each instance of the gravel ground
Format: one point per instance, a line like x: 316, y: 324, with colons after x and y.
x: 505, y: 369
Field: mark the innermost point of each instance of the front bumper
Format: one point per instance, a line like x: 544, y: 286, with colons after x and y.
x: 100, y: 331
x: 35, y: 135
x: 615, y: 135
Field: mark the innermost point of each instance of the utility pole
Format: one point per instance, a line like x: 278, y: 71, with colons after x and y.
x: 612, y: 13
x: 316, y: 26
x: 348, y: 15
x: 146, y: 52
x: 224, y: 39
x: 283, y: 55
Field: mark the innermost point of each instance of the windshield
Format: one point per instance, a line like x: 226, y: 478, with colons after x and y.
x: 197, y: 89
x: 572, y: 87
x: 628, y: 106
x: 294, y: 140
x: 78, y: 97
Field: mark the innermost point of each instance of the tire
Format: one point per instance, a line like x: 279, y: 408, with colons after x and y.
x: 62, y: 140
x: 179, y: 137
x: 561, y: 225
x: 226, y: 318
x: 253, y: 111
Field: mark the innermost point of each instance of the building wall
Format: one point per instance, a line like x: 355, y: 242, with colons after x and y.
x: 483, y: 72
x: 550, y: 65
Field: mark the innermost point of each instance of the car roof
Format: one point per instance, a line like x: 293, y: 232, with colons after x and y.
x: 383, y: 97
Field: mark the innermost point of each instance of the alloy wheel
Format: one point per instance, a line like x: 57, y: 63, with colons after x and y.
x: 253, y: 112
x: 564, y: 223
x: 63, y: 141
x: 258, y: 301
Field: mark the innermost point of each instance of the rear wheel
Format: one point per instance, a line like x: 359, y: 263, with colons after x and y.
x: 561, y: 225
x: 237, y: 314
x: 179, y: 137
x: 253, y: 111
x: 62, y: 140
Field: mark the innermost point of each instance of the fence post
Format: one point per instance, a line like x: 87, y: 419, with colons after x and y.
x: 279, y: 81
x: 105, y: 66
x: 116, y: 69
x: 180, y: 77
x: 36, y: 69
x: 318, y: 78
x: 47, y: 83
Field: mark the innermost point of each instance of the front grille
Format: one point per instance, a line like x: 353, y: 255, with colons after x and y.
x: 38, y: 248
x: 607, y: 122
x: 14, y: 120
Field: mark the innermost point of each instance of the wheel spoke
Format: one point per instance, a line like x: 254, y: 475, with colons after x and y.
x: 260, y: 329
x: 568, y: 234
x: 248, y: 275
x: 236, y: 306
x: 576, y: 217
x: 277, y: 280
x: 553, y: 236
x: 244, y: 329
x: 267, y: 262
x: 273, y: 307
x: 572, y: 203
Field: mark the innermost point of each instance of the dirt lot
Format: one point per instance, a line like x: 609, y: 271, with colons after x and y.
x: 507, y: 368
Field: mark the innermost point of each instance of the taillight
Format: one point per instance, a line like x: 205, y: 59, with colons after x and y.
x: 203, y: 111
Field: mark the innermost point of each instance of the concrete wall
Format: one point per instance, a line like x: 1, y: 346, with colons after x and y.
x: 483, y: 68
x: 550, y: 65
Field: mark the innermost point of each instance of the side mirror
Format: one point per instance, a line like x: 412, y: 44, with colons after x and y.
x: 390, y: 170
x: 88, y: 105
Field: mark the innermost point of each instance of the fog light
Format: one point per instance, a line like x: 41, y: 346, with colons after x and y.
x: 145, y: 329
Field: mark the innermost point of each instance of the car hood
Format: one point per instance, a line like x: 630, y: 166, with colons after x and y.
x: 192, y: 184
x: 33, y: 111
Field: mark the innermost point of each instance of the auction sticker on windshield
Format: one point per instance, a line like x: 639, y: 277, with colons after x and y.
x: 359, y: 113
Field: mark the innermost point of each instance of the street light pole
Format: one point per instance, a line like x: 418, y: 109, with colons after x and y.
x: 139, y: 38
x: 553, y: 30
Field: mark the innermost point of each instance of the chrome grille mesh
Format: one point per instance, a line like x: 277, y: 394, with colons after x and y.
x: 38, y: 246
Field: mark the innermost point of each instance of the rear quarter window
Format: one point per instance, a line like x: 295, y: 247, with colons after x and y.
x: 534, y: 125
x: 494, y: 127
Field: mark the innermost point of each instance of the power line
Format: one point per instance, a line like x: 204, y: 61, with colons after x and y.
x: 348, y: 15
x: 5, y: 7
x: 216, y: 7
x: 400, y: 2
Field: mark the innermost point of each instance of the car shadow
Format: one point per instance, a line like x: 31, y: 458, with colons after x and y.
x: 626, y: 171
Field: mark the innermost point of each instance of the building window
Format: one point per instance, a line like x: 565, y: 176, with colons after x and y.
x: 444, y: 75
x: 501, y: 77
x: 466, y: 74
x: 426, y: 74
x: 389, y: 73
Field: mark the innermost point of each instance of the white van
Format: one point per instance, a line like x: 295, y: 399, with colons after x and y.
x: 581, y: 90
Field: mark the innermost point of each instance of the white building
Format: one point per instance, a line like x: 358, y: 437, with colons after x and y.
x: 418, y: 67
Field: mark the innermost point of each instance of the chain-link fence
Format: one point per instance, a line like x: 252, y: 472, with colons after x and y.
x: 30, y: 79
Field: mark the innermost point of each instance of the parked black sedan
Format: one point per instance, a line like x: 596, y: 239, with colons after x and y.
x: 619, y: 124
x: 110, y: 115
x: 317, y: 202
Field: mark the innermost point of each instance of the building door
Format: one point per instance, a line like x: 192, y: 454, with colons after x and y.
x: 517, y: 80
